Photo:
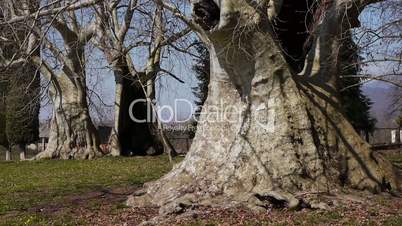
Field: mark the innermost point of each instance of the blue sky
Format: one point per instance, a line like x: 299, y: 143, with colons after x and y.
x: 101, y: 79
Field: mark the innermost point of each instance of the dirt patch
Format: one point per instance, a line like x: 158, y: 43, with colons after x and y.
x: 99, y: 197
x: 106, y: 207
x: 372, y: 209
x: 103, y: 207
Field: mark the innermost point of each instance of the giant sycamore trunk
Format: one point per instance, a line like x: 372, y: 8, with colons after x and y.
x: 72, y: 134
x: 267, y: 132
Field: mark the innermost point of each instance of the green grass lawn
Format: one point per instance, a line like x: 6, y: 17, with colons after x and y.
x: 31, y: 183
x: 76, y: 190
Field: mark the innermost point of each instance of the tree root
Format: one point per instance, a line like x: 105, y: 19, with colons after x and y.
x: 188, y: 203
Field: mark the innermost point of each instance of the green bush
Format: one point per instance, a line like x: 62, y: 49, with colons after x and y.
x: 22, y: 107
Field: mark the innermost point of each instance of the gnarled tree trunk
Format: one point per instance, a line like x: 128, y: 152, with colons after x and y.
x: 281, y: 133
x: 72, y: 134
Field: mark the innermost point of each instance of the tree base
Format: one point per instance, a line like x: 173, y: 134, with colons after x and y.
x: 260, y: 176
x: 284, y: 144
x: 84, y: 153
x: 72, y: 135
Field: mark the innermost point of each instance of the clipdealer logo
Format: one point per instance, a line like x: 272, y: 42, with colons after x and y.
x: 264, y: 114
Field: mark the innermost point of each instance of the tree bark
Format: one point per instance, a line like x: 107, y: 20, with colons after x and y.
x: 284, y: 133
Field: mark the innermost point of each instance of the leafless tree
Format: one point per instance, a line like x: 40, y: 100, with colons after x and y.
x: 380, y: 39
x: 122, y: 39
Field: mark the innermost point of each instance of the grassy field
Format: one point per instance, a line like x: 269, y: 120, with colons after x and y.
x: 24, y: 185
x: 93, y: 193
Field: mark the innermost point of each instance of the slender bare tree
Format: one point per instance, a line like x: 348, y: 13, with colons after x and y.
x: 133, y: 84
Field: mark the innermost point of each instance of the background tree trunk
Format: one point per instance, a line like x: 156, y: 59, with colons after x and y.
x: 22, y: 155
x: 21, y: 148
x: 156, y: 125
x: 129, y: 137
x: 284, y: 133
x: 132, y: 137
x: 8, y: 154
x: 136, y: 137
x: 114, y: 142
x: 72, y: 133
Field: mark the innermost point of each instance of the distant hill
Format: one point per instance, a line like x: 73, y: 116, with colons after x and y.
x: 381, y: 97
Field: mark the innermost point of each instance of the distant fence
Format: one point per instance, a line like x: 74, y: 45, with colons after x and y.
x: 182, y: 141
x: 384, y: 136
